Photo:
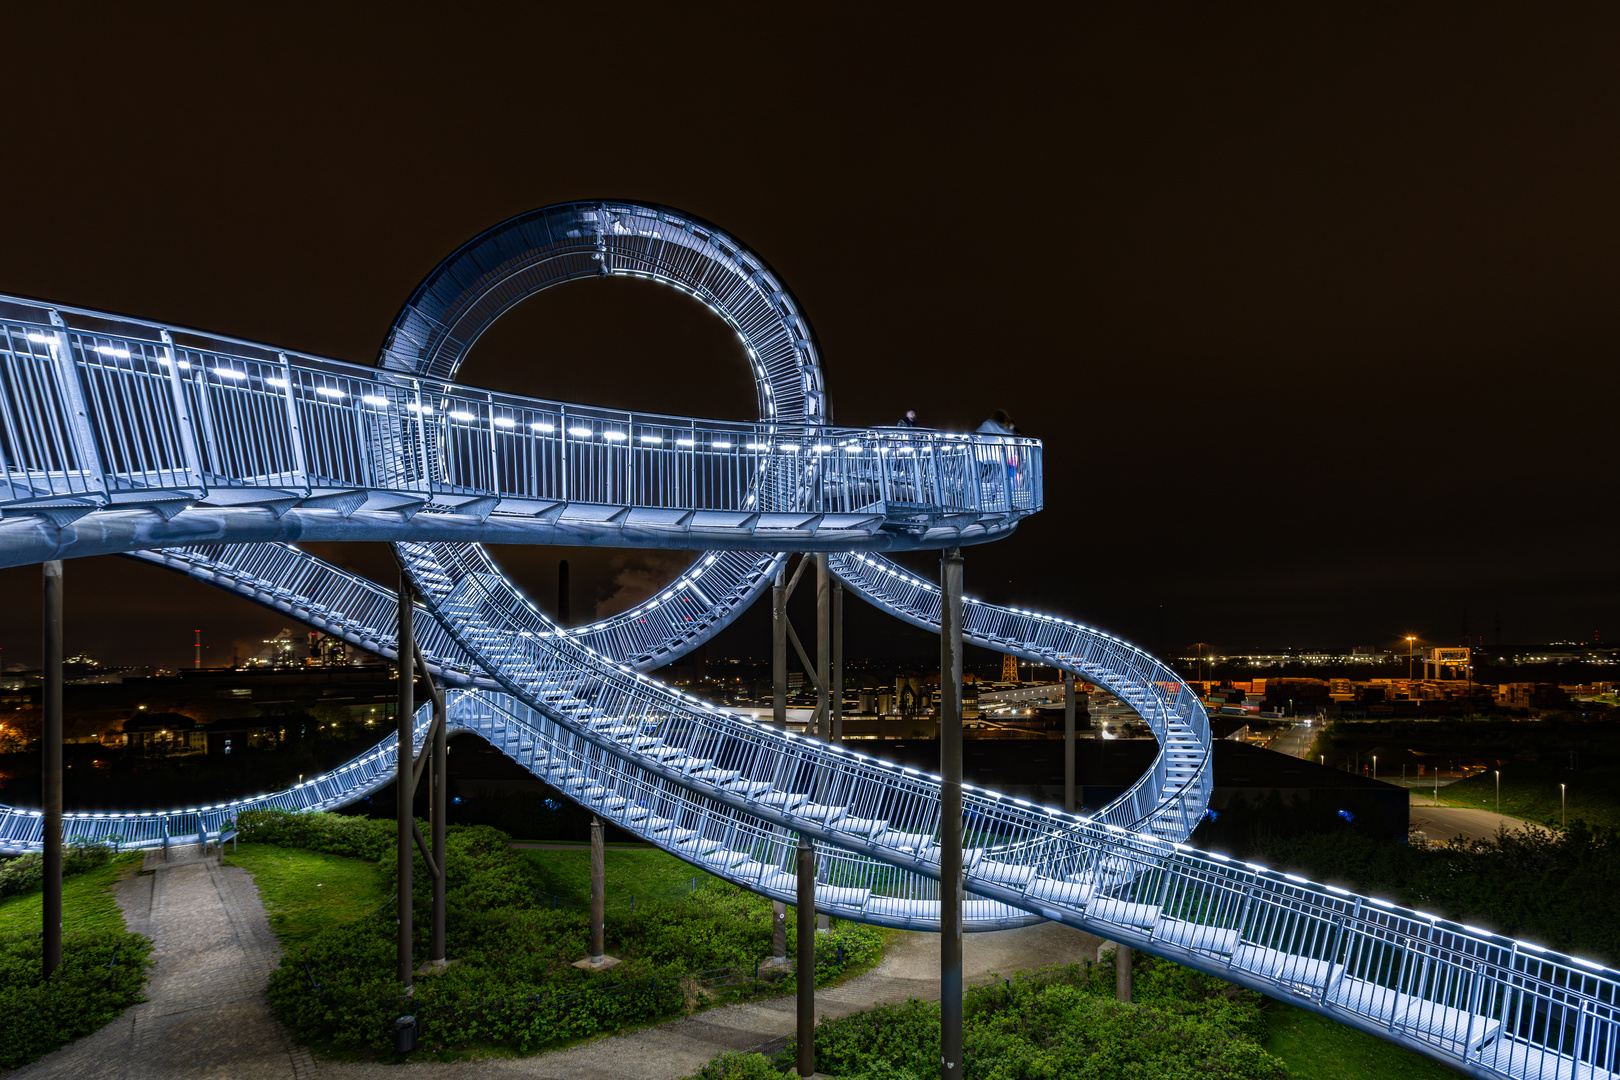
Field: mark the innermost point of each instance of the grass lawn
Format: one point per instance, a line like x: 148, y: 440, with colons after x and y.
x: 1316, y: 1048
x: 638, y: 873
x: 87, y: 901
x: 1530, y: 791
x: 305, y: 892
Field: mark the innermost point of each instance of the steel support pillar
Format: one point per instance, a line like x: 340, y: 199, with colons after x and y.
x: 779, y: 642
x: 1122, y: 973
x: 837, y: 692
x: 51, y: 763
x: 805, y: 925
x: 1068, y: 741
x: 440, y: 807
x: 404, y: 789
x: 778, y: 932
x: 950, y: 811
x: 823, y: 647
x: 598, y: 891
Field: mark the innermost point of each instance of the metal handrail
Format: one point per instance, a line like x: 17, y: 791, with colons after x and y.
x: 118, y: 419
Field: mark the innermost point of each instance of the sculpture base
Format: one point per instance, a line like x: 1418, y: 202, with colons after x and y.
x: 607, y: 963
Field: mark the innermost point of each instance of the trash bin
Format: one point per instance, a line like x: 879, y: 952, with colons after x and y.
x: 405, y: 1034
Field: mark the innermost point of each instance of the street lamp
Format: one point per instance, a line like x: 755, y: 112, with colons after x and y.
x: 1563, y: 806
x: 1375, y: 766
x: 1409, y: 640
x: 1498, y: 791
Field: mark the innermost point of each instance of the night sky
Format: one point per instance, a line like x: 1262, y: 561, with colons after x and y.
x: 1316, y: 315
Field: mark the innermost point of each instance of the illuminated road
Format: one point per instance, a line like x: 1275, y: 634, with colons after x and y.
x: 1295, y: 742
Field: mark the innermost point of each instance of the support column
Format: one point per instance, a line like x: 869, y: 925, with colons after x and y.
x: 838, y: 661
x: 403, y: 788
x: 440, y: 807
x: 1122, y: 973
x: 778, y: 933
x: 805, y: 924
x: 779, y: 625
x: 51, y: 762
x: 1068, y: 741
x: 598, y: 892
x: 950, y: 809
x: 598, y: 960
x: 823, y: 647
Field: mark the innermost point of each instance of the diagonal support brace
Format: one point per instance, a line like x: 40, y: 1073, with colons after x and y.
x: 427, y: 852
x: 809, y: 668
x: 437, y: 693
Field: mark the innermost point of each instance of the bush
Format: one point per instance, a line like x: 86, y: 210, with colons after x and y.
x: 334, y: 834
x: 738, y: 1066
x: 1061, y: 1023
x: 1524, y: 884
x: 81, y: 996
x: 513, y: 983
x: 27, y: 872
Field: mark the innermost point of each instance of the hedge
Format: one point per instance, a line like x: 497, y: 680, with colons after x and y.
x: 102, y: 974
x: 513, y: 984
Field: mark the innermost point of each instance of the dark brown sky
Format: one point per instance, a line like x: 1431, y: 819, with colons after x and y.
x: 1316, y: 315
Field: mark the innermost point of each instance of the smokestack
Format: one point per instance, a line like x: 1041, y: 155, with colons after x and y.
x: 562, y: 592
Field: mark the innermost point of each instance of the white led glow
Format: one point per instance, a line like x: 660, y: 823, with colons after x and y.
x: 580, y: 432
x: 503, y: 422
x: 721, y: 445
x: 108, y: 350
x: 614, y: 436
x: 277, y: 382
x: 542, y: 426
x: 330, y: 392
x: 459, y: 415
x: 372, y: 400
x: 683, y: 442
x: 230, y: 373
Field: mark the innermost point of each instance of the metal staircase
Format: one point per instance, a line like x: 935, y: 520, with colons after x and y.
x: 209, y: 456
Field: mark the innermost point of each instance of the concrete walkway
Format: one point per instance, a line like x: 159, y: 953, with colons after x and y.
x: 207, y: 1015
x: 910, y: 968
x: 1441, y: 822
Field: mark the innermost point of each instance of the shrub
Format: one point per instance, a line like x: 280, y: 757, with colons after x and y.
x: 1063, y: 1023
x: 82, y: 995
x: 27, y: 872
x: 513, y: 983
x: 334, y: 834
x: 738, y: 1066
x: 1524, y: 883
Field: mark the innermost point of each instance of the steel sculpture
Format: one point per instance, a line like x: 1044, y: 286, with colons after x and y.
x: 118, y: 434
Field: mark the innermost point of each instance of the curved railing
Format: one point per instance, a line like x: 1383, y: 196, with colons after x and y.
x: 99, y: 420
x: 1489, y: 1005
x: 99, y: 414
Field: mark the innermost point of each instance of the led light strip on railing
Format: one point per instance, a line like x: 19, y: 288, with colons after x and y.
x: 724, y: 792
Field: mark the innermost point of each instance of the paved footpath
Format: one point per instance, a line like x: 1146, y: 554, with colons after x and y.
x: 207, y: 1015
x: 910, y: 968
x: 1440, y: 822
